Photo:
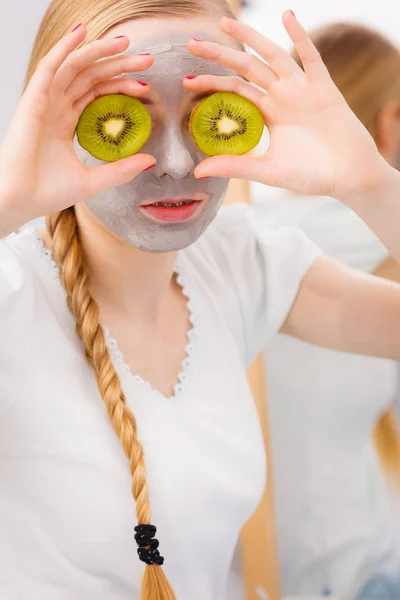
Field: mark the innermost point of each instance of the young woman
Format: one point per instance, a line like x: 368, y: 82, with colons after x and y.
x: 145, y: 290
x: 342, y: 530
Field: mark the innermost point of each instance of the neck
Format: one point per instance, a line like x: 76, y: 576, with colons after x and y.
x: 123, y: 279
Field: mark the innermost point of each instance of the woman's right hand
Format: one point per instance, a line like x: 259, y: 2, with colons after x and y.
x: 40, y: 172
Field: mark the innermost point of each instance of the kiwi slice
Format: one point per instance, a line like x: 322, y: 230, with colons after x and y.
x: 114, y: 127
x: 226, y: 123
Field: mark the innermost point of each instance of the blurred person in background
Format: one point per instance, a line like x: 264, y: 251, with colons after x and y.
x: 335, y: 439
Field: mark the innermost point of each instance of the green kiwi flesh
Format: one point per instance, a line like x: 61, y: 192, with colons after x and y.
x: 226, y: 123
x: 114, y: 127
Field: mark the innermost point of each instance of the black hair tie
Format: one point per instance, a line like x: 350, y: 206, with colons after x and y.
x: 148, y: 545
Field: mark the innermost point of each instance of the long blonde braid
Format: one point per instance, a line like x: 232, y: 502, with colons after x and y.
x: 67, y: 253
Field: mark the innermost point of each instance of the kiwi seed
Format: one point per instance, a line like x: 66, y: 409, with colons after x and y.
x: 114, y: 127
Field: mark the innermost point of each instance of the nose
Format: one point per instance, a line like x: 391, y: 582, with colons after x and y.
x: 173, y: 155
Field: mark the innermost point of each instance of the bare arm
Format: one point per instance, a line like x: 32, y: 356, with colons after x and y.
x: 318, y: 146
x: 340, y: 308
x: 43, y: 175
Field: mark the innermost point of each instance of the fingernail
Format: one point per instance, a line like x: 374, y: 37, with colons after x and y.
x: 196, y: 40
x: 191, y: 77
x: 293, y: 14
x: 206, y: 177
x: 143, y: 83
x: 145, y: 54
x: 117, y: 37
x: 150, y: 167
x: 77, y: 27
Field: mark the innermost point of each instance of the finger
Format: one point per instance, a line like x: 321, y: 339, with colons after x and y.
x: 214, y: 83
x: 33, y: 104
x: 121, y: 85
x: 238, y: 167
x: 117, y: 173
x: 245, y: 64
x: 88, y: 55
x: 314, y: 67
x: 104, y: 70
x: 48, y: 66
x: 278, y: 59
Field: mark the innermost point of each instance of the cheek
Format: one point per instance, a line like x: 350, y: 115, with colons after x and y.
x: 217, y: 187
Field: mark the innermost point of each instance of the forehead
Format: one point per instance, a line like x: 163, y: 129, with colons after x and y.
x: 167, y: 40
x: 150, y: 31
x: 173, y: 62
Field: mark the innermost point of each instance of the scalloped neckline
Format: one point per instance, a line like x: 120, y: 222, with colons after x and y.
x: 112, y: 344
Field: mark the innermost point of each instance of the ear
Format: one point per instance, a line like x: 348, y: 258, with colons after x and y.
x: 388, y: 130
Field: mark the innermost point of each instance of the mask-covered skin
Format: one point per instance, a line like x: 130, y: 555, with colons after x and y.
x: 172, y: 145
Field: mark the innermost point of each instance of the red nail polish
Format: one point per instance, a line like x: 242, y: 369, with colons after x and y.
x: 206, y: 177
x: 293, y: 14
x: 191, y: 77
x: 196, y: 40
x: 150, y: 167
x: 143, y: 83
x: 117, y: 37
x: 77, y: 27
x: 145, y: 54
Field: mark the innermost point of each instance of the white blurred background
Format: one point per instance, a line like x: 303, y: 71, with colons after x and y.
x: 21, y: 18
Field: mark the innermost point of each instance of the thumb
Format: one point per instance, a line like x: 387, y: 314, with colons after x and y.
x: 239, y: 167
x: 117, y: 173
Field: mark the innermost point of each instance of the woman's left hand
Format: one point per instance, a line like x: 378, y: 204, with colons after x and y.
x: 318, y: 146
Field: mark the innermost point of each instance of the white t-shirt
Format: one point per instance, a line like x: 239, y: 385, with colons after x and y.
x: 336, y: 524
x: 67, y: 515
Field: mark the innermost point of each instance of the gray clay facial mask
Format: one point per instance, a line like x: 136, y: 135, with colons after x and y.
x: 177, y: 156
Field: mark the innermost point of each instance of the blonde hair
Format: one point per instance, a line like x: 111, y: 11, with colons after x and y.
x: 365, y: 66
x: 99, y: 16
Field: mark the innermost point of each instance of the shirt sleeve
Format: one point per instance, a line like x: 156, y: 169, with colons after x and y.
x: 16, y: 323
x: 266, y: 269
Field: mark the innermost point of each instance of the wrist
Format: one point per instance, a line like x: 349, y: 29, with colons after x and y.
x: 377, y: 202
x: 378, y: 185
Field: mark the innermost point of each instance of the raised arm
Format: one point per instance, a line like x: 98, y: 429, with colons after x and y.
x: 318, y: 146
x: 41, y: 174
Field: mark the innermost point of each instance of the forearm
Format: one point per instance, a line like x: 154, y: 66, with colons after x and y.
x: 343, y: 309
x: 379, y: 207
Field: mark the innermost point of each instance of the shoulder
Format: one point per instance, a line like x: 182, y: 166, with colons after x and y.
x: 330, y: 224
x: 18, y: 312
x: 18, y: 252
x: 22, y: 242
x: 26, y: 275
x: 21, y: 257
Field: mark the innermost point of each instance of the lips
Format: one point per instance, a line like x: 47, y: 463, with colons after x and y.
x: 172, y: 210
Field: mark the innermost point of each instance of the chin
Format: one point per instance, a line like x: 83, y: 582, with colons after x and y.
x: 161, y: 237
